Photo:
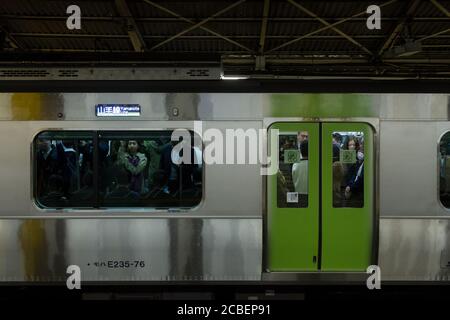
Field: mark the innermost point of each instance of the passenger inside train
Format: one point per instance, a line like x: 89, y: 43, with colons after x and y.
x: 292, y: 174
x: 127, y: 172
x: 348, y: 169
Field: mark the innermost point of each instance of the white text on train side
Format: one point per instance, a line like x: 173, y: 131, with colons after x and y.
x: 228, y: 146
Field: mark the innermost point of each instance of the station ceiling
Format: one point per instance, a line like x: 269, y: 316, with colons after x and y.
x: 260, y: 39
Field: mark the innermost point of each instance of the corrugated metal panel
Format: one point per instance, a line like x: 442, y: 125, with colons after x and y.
x: 87, y: 27
x: 76, y: 44
x: 311, y: 45
x: 162, y: 28
x: 286, y: 10
x: 293, y: 28
x: 338, y: 8
x: 213, y: 45
x: 190, y: 9
x: 246, y: 32
x: 233, y: 29
x: 427, y: 9
x: 441, y: 40
x: 56, y: 7
x: 360, y: 28
x: 429, y: 28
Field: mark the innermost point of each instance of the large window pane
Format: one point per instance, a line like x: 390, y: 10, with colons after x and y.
x: 115, y: 169
x: 444, y: 169
x: 136, y: 170
x: 348, y: 169
x: 64, y: 169
x: 292, y: 176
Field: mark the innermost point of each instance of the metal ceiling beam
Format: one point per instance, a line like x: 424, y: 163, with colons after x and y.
x: 59, y: 50
x: 69, y: 35
x: 327, y: 27
x: 440, y: 7
x: 435, y: 34
x: 262, y: 35
x: 133, y: 31
x: 412, y: 7
x: 192, y: 22
x: 444, y: 11
x: 137, y: 58
x: 218, y: 19
x: 10, y: 39
x: 195, y: 26
x: 343, y: 34
x: 332, y: 61
x: 194, y: 37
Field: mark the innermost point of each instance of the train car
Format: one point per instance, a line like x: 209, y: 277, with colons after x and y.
x: 361, y: 179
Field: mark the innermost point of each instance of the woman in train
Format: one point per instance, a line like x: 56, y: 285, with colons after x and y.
x: 355, y: 183
x: 135, y: 163
x: 351, y: 144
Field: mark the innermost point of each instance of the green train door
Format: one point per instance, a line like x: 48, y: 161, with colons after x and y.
x: 320, y: 202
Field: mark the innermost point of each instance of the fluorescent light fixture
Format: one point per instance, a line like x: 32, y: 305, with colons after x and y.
x: 223, y: 77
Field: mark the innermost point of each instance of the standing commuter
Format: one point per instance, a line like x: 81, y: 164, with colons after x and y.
x: 135, y: 163
x: 300, y: 171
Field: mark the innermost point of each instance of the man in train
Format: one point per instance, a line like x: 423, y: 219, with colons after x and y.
x: 337, y: 140
x: 301, y: 136
x: 300, y: 171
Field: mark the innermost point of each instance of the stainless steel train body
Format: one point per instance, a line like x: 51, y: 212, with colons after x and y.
x: 223, y: 238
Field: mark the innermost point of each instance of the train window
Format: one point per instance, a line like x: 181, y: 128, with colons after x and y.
x: 292, y: 176
x: 444, y: 170
x: 115, y: 169
x: 64, y: 169
x: 136, y: 170
x: 348, y: 169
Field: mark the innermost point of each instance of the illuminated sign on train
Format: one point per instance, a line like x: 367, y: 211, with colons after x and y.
x: 117, y: 110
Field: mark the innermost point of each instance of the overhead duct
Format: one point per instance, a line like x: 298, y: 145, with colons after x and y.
x: 197, y: 73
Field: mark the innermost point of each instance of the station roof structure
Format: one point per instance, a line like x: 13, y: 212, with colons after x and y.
x: 261, y: 39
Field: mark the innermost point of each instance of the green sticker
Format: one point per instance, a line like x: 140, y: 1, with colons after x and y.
x: 291, y: 156
x: 348, y: 156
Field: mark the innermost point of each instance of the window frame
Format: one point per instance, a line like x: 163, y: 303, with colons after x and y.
x: 96, y: 136
x: 438, y: 171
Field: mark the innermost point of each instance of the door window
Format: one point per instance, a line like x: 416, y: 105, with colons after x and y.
x: 292, y: 176
x: 348, y: 169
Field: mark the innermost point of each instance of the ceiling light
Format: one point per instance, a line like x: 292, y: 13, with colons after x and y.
x: 223, y: 77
